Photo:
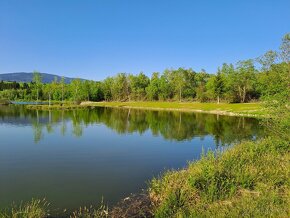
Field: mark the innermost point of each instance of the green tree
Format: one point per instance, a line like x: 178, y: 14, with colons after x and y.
x: 153, y: 88
x: 37, y: 79
x: 138, y: 86
x: 177, y: 81
x: 48, y: 90
x: 216, y: 86
x: 120, y: 87
x: 55, y: 89
x: 62, y: 85
x: 87, y: 87
x: 231, y: 82
x: 201, y: 80
x: 277, y: 98
x: 165, y: 88
x: 285, y: 53
x: 245, y: 78
x: 267, y: 60
x: 76, y: 90
x: 285, y: 48
x: 219, y: 86
x: 189, y: 90
x: 106, y: 87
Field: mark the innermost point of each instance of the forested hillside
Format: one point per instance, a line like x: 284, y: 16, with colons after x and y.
x: 28, y: 77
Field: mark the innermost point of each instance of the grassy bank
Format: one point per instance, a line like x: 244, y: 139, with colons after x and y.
x: 249, y: 180
x: 246, y: 109
x: 254, y: 109
x: 32, y: 209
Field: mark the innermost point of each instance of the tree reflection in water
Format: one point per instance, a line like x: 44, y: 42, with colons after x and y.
x: 171, y: 125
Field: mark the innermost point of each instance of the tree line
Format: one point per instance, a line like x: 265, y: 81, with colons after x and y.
x: 247, y: 80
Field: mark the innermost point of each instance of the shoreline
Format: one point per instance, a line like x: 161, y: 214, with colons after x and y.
x: 188, y: 110
x: 245, y: 109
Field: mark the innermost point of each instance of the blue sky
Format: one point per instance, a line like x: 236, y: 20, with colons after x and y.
x: 99, y: 38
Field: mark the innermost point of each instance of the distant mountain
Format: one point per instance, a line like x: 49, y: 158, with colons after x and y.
x: 28, y: 77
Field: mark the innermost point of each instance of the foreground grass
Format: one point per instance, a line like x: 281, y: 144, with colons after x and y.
x: 39, y: 209
x: 32, y: 209
x: 249, y: 180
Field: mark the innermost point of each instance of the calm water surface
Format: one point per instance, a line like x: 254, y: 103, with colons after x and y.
x: 74, y: 158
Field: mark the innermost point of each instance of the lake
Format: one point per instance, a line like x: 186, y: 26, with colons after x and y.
x: 74, y: 158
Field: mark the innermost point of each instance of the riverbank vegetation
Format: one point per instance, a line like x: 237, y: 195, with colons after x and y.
x: 249, y: 180
x: 33, y: 209
x: 246, y: 81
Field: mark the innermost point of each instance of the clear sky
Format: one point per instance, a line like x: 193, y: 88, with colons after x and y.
x: 99, y: 38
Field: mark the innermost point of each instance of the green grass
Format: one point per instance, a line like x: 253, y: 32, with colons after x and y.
x: 91, y: 212
x: 249, y: 180
x: 32, y: 209
x: 242, y: 109
x: 39, y: 209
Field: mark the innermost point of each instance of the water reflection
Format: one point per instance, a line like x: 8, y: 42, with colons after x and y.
x: 171, y: 125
